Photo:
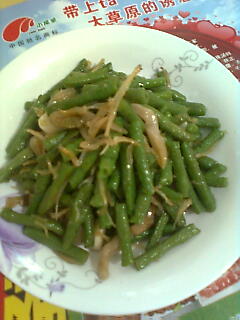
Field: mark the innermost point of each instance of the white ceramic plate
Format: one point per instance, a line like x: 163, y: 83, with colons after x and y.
x: 186, y: 269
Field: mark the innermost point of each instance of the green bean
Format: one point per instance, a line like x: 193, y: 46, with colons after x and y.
x: 152, y: 160
x: 44, y: 98
x: 144, y: 173
x: 66, y: 200
x: 52, y: 154
x: 90, y: 93
x: 43, y: 159
x: 212, y: 176
x: 107, y: 66
x: 81, y: 172
x: 32, y: 221
x: 148, y: 83
x: 168, y: 115
x: 88, y: 228
x: 198, y: 180
x: 206, y: 163
x: 155, y: 100
x: 164, y: 93
x: 194, y: 108
x: 179, y: 169
x: 124, y: 234
x: 120, y: 75
x: 77, y: 214
x: 160, y: 249
x: 177, y: 96
x: 181, y: 118
x: 173, y: 108
x: 26, y: 185
x: 163, y: 73
x: 139, y: 152
x: 196, y: 205
x: 83, y: 66
x: 54, y: 140
x: 216, y: 170
x: 73, y: 147
x: 51, y: 194
x: 137, y: 95
x: 98, y: 199
x: 54, y: 243
x: 19, y: 139
x: 165, y: 177
x: 13, y: 164
x: 172, y: 211
x: 107, y: 165
x: 128, y: 177
x: 78, y: 78
x: 170, y: 127
x: 171, y: 194
x: 208, y: 122
x: 70, y: 136
x: 142, y: 236
x: 209, y: 141
x: 158, y: 230
x: 169, y: 229
x: 216, y: 182
x: 29, y: 105
x: 28, y: 172
x: 107, y: 162
x: 114, y: 181
x: 142, y: 206
x: 104, y: 218
x: 193, y: 128
x: 40, y: 188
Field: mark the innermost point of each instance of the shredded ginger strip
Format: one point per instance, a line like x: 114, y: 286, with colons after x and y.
x: 61, y: 95
x: 163, y: 195
x: 36, y: 134
x: 148, y: 221
x: 152, y: 129
x: 46, y: 125
x: 114, y: 102
x: 36, y: 141
x: 95, y: 144
x: 93, y: 125
x: 12, y: 202
x: 183, y: 207
x: 70, y: 154
x: 99, y: 238
x: 106, y: 253
x: 71, y: 118
x: 36, y: 145
x: 98, y: 65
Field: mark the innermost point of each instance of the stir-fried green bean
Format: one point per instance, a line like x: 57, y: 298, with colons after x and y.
x: 120, y: 159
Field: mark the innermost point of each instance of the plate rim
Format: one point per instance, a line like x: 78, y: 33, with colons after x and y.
x: 64, y: 35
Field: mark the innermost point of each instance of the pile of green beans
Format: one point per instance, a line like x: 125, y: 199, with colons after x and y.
x: 116, y: 189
